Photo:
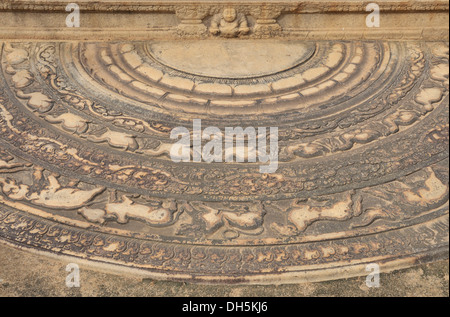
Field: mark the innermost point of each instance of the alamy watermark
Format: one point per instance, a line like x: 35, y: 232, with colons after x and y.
x: 373, y: 19
x: 221, y: 145
x: 373, y: 279
x: 73, y: 19
x: 73, y: 278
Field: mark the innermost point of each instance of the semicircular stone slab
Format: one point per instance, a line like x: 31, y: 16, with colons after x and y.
x: 231, y: 58
x: 87, y: 167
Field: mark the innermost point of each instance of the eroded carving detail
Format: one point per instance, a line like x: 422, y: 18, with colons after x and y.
x: 229, y: 23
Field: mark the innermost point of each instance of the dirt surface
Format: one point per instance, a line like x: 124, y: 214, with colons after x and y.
x: 25, y: 274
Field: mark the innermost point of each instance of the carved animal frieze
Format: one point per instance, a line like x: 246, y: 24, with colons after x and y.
x: 52, y: 195
x: 159, y: 214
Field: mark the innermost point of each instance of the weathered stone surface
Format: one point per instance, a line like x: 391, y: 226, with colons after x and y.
x: 85, y: 169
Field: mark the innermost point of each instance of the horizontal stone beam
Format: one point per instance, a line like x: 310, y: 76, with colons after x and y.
x: 315, y: 20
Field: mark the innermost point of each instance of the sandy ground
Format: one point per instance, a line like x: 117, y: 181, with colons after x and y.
x: 25, y: 274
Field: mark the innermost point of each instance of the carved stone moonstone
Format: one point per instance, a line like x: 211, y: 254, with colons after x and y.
x: 85, y: 167
x: 229, y: 24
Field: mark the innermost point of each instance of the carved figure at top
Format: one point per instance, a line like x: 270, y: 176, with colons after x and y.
x: 229, y: 23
